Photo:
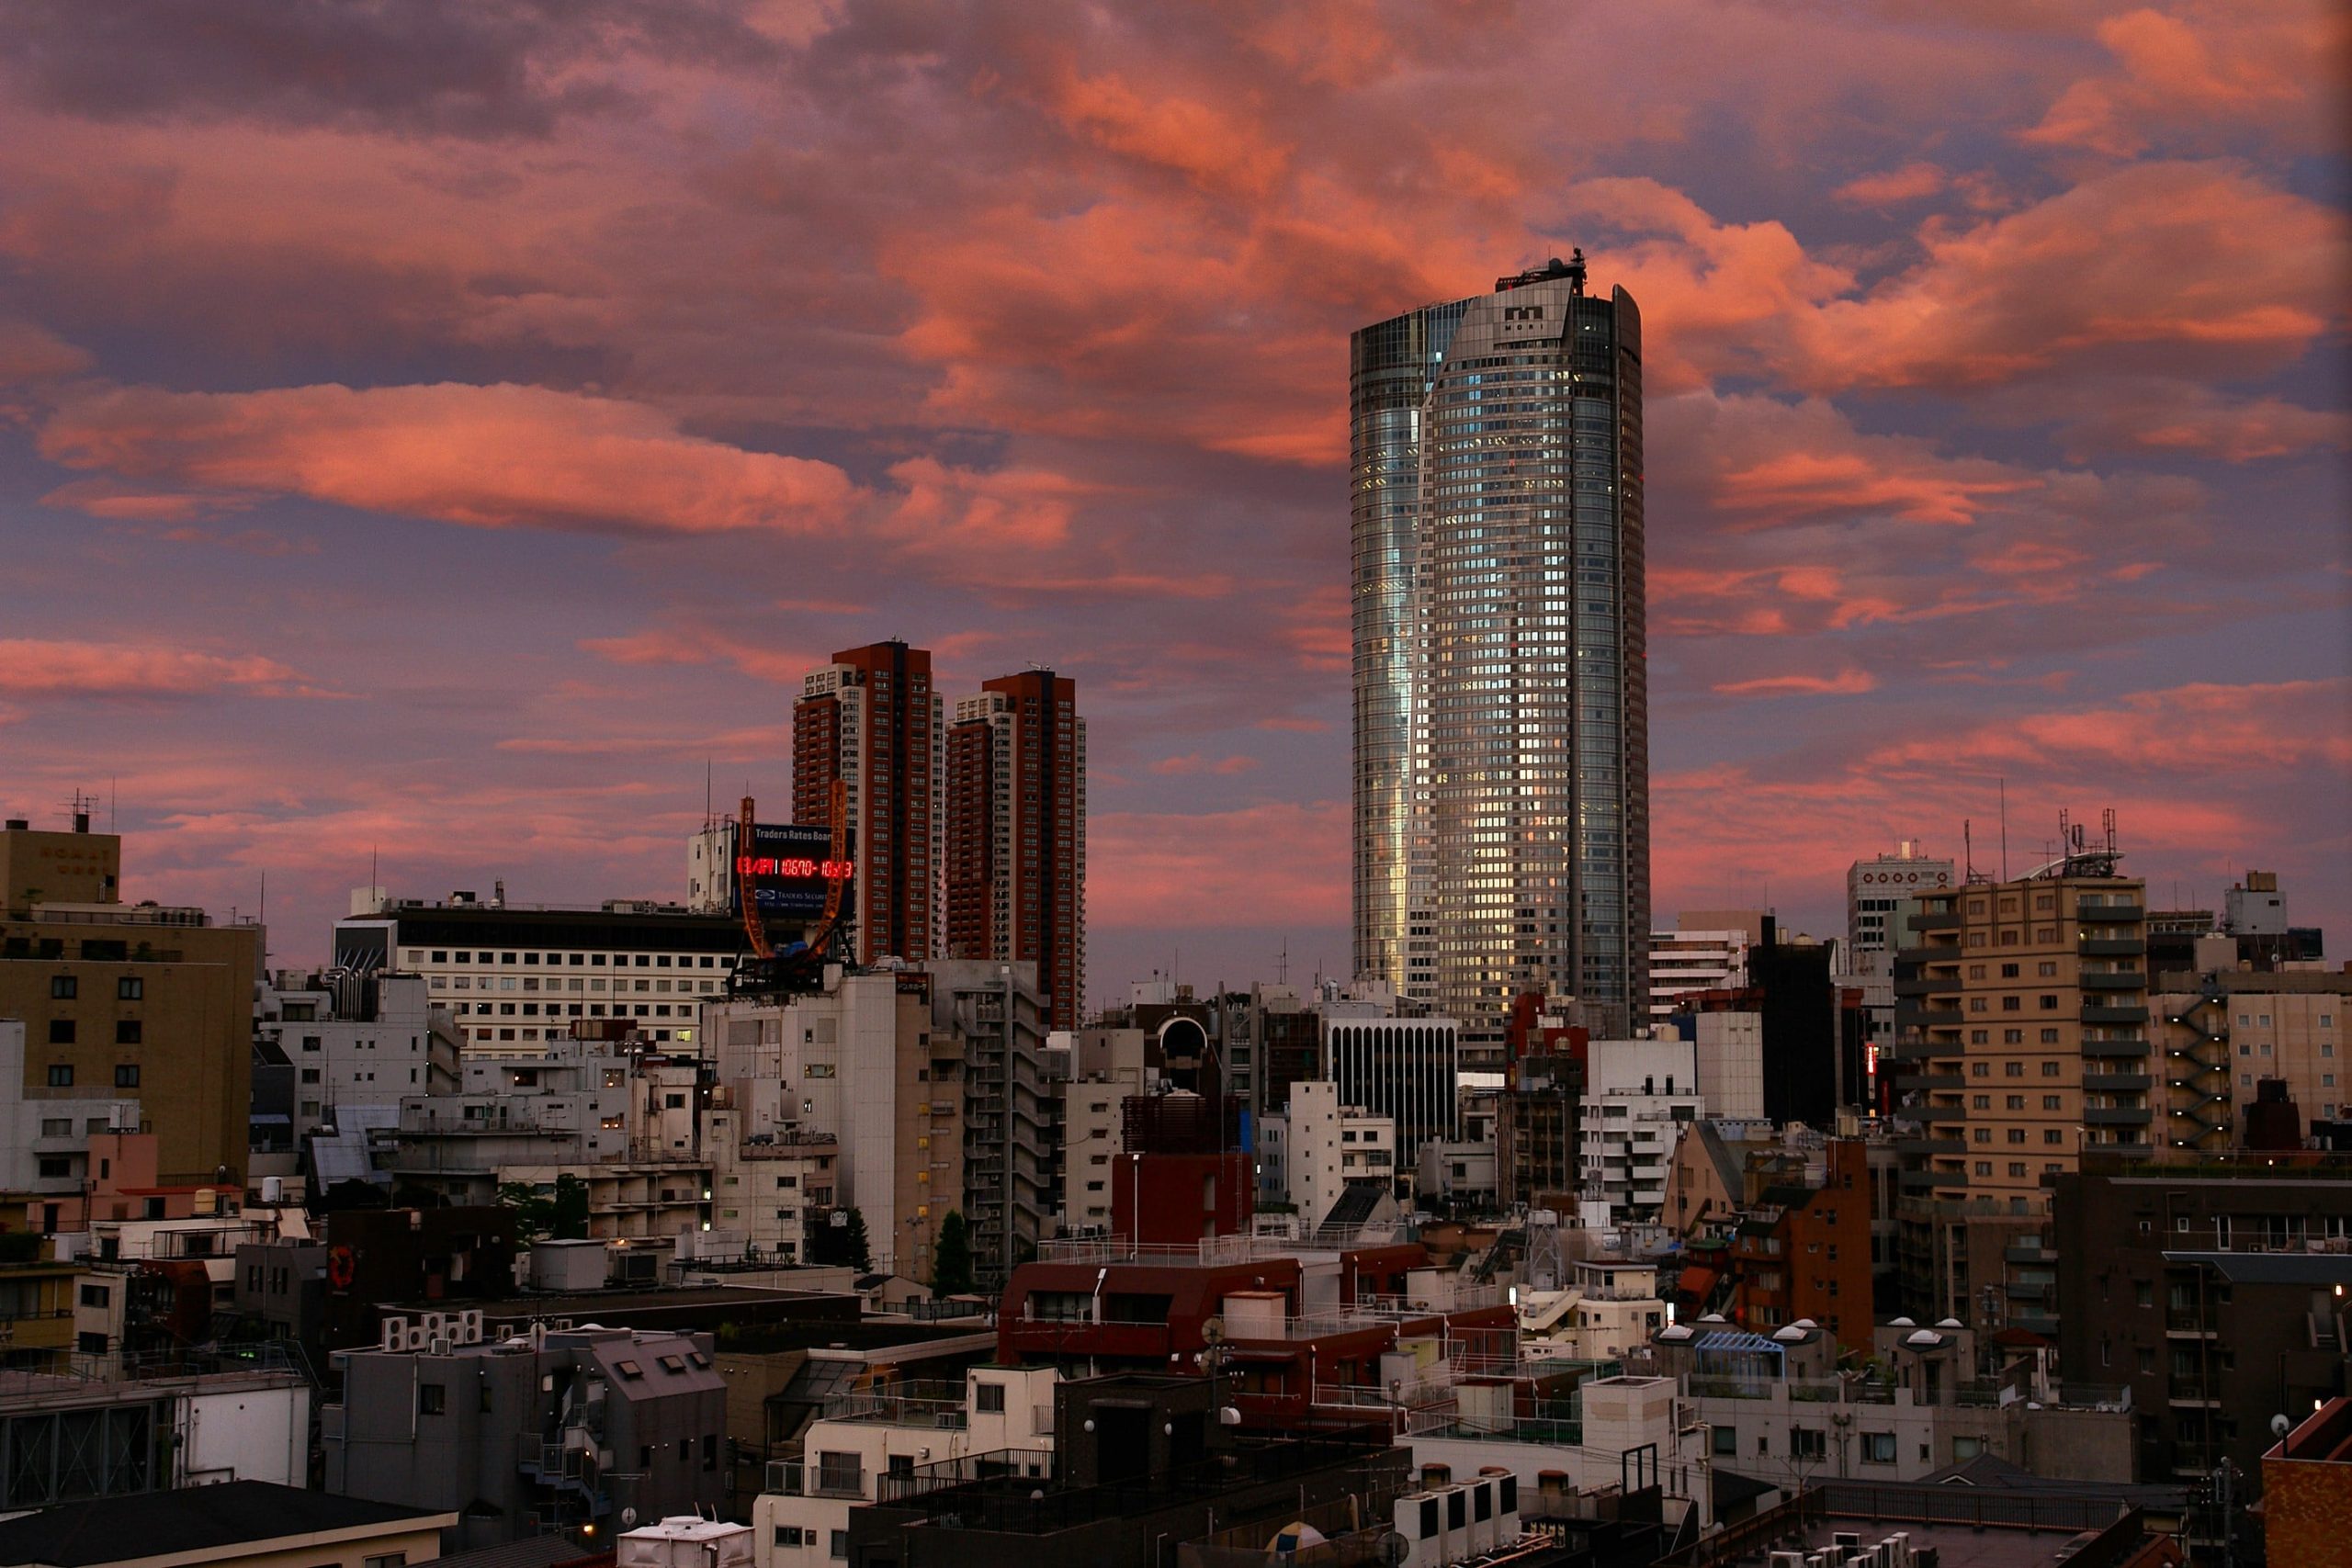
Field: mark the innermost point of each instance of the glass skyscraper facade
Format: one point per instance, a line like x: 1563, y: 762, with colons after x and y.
x: 1501, y: 707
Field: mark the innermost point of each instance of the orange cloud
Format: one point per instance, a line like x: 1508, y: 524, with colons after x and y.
x: 1846, y: 682
x: 1193, y: 762
x: 496, y: 456
x: 2188, y: 77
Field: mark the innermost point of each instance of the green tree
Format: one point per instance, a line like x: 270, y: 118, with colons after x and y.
x: 841, y: 1246
x: 951, y: 1260
x: 561, y: 1215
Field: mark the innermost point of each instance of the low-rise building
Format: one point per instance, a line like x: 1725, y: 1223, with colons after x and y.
x: 238, y: 1524
x: 545, y: 1429
x: 2216, y: 1291
x: 183, y: 1420
x: 1779, y: 1411
x: 2307, y: 1487
x: 999, y: 1420
x: 1329, y: 1147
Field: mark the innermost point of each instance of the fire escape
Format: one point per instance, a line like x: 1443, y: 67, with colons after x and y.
x: 2199, y: 1070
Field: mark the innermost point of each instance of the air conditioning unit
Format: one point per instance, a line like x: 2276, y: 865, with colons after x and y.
x: 443, y: 1346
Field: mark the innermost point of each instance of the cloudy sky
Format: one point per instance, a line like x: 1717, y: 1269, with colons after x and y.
x: 435, y: 430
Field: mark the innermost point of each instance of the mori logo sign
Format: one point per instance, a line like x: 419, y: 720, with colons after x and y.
x: 432, y: 1331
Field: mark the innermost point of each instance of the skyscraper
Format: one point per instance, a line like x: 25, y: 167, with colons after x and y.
x: 1016, y: 833
x: 871, y: 719
x: 1501, y: 703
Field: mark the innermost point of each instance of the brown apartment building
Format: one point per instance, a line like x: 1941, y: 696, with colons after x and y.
x: 1016, y: 833
x: 872, y: 721
x: 128, y: 999
x: 2022, y: 1019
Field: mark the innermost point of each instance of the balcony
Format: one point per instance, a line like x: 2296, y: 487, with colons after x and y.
x: 1930, y: 1082
x: 2118, y: 1083
x: 2134, y: 1046
x: 1952, y: 1147
x: 2114, y: 1115
x: 2095, y: 1012
x: 2110, y: 947
x: 1936, y: 920
x: 2109, y: 914
x: 2113, y: 980
x: 1936, y: 1017
x: 1927, y: 1180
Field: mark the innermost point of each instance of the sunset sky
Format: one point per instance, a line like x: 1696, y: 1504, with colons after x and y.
x: 433, y: 430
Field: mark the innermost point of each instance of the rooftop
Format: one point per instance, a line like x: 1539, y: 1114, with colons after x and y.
x: 234, y: 1512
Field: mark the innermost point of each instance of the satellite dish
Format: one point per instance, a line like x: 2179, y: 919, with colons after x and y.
x: 628, y: 1517
x: 1392, y: 1548
x: 1213, y: 1331
x: 2279, y: 1426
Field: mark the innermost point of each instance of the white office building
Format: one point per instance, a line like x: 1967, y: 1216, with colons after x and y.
x: 1328, y: 1145
x: 355, y: 1040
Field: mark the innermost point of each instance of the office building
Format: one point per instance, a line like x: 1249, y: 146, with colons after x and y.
x: 997, y: 1012
x: 515, y: 977
x: 1404, y: 1068
x: 1016, y: 833
x: 872, y: 721
x: 356, y: 1039
x: 1874, y: 888
x: 123, y: 1001
x: 1501, y: 707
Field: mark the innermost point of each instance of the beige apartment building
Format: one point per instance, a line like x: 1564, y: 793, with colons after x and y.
x: 2222, y: 1030
x: 124, y: 1000
x: 2026, y: 1006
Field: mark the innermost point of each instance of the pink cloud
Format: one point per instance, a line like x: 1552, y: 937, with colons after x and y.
x: 1910, y: 182
x: 1193, y: 762
x: 32, y: 667
x: 2191, y: 76
x: 1259, y: 865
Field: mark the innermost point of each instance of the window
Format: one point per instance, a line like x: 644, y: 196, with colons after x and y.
x: 838, y: 1549
x: 2012, y: 1004
x: 2048, y: 968
x: 1726, y: 1441
x: 127, y: 1076
x: 2013, y: 1069
x: 2049, y: 1069
x: 386, y: 1560
x: 432, y: 1399
x: 60, y: 1032
x: 127, y: 1032
x: 2054, y: 1134
x: 2008, y: 971
x: 2050, y: 1037
x: 787, y: 1535
x: 990, y: 1398
x: 61, y: 1074
x: 1878, y: 1447
x: 64, y: 988
x: 2049, y: 1102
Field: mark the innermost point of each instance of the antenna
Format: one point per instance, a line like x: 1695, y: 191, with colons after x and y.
x: 2005, y: 830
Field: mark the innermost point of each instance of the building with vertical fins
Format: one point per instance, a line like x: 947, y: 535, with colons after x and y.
x: 872, y: 720
x: 1501, y: 709
x: 1016, y: 833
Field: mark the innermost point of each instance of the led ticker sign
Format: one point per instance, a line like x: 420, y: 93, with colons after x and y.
x: 791, y: 870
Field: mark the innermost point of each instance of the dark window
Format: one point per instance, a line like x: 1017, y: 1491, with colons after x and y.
x: 128, y: 1031
x: 61, y: 1074
x: 432, y: 1399
x: 64, y: 988
x: 130, y: 988
x: 52, y: 1167
x: 60, y: 1032
x: 127, y: 1076
x: 990, y: 1398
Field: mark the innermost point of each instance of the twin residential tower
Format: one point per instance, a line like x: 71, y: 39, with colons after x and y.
x: 1501, y: 702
